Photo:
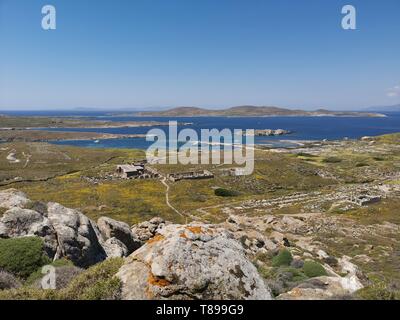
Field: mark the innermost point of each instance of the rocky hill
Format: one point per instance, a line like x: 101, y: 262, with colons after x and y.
x: 162, y: 260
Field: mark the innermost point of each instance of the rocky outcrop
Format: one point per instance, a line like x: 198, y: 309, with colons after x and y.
x: 18, y: 222
x: 121, y: 231
x: 195, y: 261
x: 78, y: 237
x: 13, y: 198
x: 148, y: 229
x: 67, y: 233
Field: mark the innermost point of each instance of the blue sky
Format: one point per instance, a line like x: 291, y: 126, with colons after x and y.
x: 152, y: 53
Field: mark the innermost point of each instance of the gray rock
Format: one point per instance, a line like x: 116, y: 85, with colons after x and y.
x: 63, y: 277
x: 323, y: 288
x: 195, y: 261
x: 13, y: 198
x: 297, y: 263
x: 8, y: 281
x: 147, y: 229
x: 111, y: 228
x: 17, y: 222
x: 78, y: 237
x: 115, y: 248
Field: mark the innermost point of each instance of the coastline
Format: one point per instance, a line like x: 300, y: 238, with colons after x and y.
x: 54, y: 136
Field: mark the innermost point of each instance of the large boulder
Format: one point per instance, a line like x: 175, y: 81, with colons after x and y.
x: 78, y: 237
x: 13, y: 198
x: 17, y: 222
x: 121, y: 231
x: 66, y: 233
x: 195, y: 261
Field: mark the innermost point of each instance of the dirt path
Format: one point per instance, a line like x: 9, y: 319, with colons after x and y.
x: 164, y: 182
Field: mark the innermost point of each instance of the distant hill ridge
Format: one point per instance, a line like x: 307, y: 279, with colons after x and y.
x: 395, y: 108
x: 251, y: 111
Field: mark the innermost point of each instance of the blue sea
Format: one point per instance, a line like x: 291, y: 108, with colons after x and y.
x: 302, y: 128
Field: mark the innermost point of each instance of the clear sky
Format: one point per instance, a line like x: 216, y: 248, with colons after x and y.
x: 209, y: 53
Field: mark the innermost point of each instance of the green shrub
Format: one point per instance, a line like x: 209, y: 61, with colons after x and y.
x: 220, y: 192
x: 297, y: 274
x: 22, y: 256
x: 304, y: 154
x: 283, y: 258
x: 332, y: 160
x: 96, y: 283
x: 313, y: 269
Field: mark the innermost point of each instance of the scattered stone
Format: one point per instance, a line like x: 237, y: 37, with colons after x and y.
x: 322, y: 288
x: 147, y: 229
x: 322, y: 254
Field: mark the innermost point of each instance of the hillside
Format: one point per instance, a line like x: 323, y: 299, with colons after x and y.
x: 251, y: 111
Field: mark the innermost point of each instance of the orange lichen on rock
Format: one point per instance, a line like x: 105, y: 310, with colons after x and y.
x: 183, y: 235
x: 195, y: 230
x: 155, y: 281
x: 156, y: 238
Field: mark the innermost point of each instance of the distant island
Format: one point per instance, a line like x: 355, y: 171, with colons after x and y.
x: 252, y: 111
x: 393, y: 108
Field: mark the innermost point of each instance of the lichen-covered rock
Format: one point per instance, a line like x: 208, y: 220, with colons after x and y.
x: 78, y: 237
x: 147, y: 229
x: 195, y: 261
x: 111, y: 228
x: 13, y: 198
